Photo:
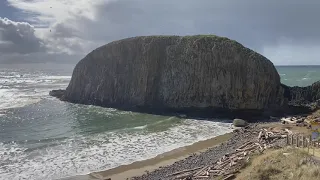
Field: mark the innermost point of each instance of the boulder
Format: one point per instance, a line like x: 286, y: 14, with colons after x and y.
x: 239, y: 123
x: 178, y: 74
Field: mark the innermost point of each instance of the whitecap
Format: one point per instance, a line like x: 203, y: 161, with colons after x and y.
x: 18, y: 91
x: 140, y: 127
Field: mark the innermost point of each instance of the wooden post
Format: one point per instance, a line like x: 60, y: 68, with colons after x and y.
x: 291, y: 139
x: 303, y: 142
x: 297, y: 140
x: 287, y: 139
x: 310, y: 138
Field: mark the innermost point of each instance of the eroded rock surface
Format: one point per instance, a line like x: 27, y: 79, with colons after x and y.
x: 303, y: 94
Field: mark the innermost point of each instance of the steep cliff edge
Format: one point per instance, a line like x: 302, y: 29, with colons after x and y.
x: 176, y: 73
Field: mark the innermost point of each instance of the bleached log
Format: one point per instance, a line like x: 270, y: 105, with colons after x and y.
x: 238, y: 153
x: 261, y: 149
x: 222, y: 165
x: 289, y: 121
x: 245, y: 144
x: 183, y: 176
x: 247, y: 149
x: 201, y: 170
x: 184, y: 171
x: 224, y: 162
x: 260, y: 135
x: 214, y: 171
x: 270, y: 133
x: 232, y: 163
x: 275, y: 137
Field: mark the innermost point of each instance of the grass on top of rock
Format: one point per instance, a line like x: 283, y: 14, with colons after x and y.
x: 287, y: 163
x: 211, y: 36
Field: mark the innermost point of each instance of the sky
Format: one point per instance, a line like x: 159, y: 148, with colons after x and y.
x: 287, y: 31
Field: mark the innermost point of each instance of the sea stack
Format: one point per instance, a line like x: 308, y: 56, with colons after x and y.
x: 176, y: 73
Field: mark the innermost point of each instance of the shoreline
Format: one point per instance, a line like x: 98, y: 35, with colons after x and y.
x: 138, y: 168
x: 198, y: 154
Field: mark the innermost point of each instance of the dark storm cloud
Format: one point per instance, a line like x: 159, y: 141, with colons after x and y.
x: 18, y: 37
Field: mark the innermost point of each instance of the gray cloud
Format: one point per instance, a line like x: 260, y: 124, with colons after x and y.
x: 18, y: 37
x: 64, y: 30
x: 39, y: 57
x: 258, y: 24
x: 255, y: 23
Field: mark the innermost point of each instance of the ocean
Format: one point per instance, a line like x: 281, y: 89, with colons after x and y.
x: 44, y: 138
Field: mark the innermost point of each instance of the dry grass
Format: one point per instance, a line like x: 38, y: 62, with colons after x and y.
x: 279, y: 165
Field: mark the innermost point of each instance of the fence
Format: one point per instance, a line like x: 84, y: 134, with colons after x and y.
x: 302, y: 141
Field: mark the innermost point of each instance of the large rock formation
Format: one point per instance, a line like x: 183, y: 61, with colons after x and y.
x: 175, y: 73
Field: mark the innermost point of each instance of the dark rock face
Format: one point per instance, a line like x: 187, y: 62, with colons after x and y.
x: 303, y: 94
x: 57, y: 93
x: 176, y: 73
x: 302, y: 99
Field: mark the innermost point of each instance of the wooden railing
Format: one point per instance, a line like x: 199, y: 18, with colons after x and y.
x: 302, y: 141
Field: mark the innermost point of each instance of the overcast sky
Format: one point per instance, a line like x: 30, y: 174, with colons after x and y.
x: 285, y: 31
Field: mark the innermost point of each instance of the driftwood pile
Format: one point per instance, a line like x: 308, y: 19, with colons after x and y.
x: 298, y: 121
x: 227, y: 166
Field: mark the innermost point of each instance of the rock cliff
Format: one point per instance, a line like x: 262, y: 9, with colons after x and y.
x: 303, y: 94
x: 176, y: 73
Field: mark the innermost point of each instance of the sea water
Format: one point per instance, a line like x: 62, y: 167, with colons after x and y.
x: 44, y: 138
